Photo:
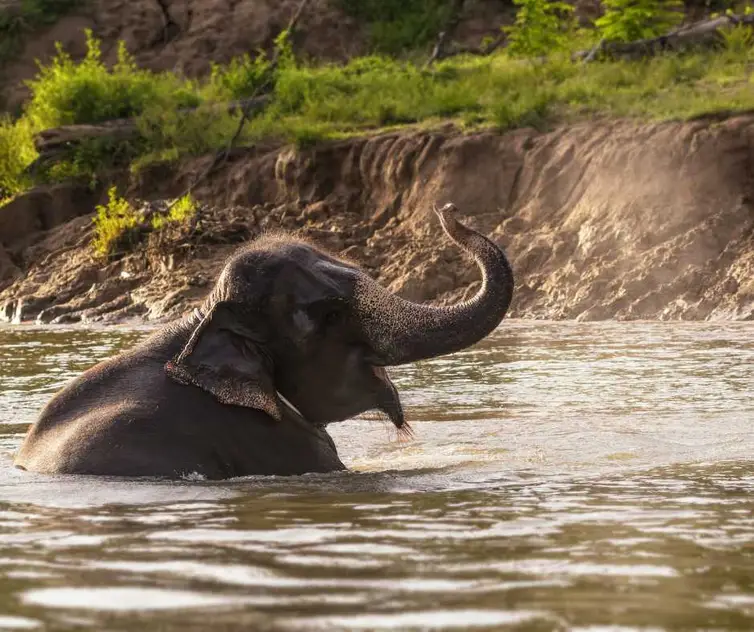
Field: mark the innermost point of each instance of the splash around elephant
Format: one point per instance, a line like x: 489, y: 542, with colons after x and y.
x: 289, y: 340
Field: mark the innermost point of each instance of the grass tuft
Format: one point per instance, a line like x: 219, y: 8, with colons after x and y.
x: 119, y: 226
x: 115, y: 225
x: 16, y: 152
x: 182, y: 210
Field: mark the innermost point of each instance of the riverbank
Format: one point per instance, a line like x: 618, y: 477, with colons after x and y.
x: 606, y: 220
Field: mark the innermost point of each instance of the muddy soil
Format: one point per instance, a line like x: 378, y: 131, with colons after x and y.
x: 613, y: 220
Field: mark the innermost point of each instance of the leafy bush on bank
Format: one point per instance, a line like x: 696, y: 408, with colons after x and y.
x: 115, y: 223
x: 540, y: 28
x: 16, y: 152
x: 67, y: 92
x: 119, y: 226
x: 630, y: 20
x: 181, y: 210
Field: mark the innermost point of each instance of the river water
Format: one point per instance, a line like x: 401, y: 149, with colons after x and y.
x: 563, y: 476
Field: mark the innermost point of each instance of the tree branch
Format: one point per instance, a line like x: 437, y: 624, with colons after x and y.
x: 700, y: 34
x: 246, y: 112
x: 438, y: 52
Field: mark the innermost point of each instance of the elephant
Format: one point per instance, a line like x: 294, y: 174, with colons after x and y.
x: 289, y: 339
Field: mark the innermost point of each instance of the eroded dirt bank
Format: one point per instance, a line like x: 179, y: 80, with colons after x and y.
x: 613, y: 220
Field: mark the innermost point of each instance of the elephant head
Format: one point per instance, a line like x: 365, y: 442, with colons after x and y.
x: 289, y: 326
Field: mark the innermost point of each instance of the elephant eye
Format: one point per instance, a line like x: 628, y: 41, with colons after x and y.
x: 332, y: 316
x: 328, y: 313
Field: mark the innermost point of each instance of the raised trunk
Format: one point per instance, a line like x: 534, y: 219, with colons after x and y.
x: 400, y: 331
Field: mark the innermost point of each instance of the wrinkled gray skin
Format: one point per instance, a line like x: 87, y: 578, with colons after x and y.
x: 289, y: 340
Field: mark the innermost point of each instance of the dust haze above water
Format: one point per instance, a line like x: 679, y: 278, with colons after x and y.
x: 563, y: 476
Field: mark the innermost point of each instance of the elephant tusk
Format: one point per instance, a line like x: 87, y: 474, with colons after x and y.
x: 291, y: 406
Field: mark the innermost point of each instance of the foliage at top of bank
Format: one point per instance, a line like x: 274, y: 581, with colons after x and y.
x: 629, y: 20
x: 534, y: 82
x: 67, y: 92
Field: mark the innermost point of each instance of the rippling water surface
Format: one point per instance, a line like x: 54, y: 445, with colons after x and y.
x: 590, y: 477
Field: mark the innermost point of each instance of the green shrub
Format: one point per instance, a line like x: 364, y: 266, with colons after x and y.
x: 629, y: 20
x: 115, y: 225
x: 540, y: 28
x: 524, y: 109
x: 91, y: 158
x: 248, y: 76
x: 739, y: 38
x: 371, y: 93
x: 16, y: 153
x: 239, y: 79
x: 118, y: 226
x: 182, y: 210
x: 397, y: 26
x: 166, y: 131
x: 67, y: 92
x: 170, y: 134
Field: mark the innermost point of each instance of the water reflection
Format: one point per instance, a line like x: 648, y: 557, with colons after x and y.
x: 564, y: 477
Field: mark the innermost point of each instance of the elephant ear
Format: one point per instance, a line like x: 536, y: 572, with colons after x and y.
x: 223, y: 358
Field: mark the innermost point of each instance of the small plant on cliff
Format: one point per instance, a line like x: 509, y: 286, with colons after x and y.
x: 16, y: 152
x: 540, y: 28
x: 182, y: 210
x: 114, y: 224
x: 629, y: 20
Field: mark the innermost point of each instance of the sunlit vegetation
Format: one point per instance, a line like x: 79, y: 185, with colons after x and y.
x: 115, y: 223
x: 630, y: 20
x: 118, y: 225
x: 514, y: 87
x: 540, y: 28
x: 181, y: 210
x: 67, y: 92
x: 16, y: 152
